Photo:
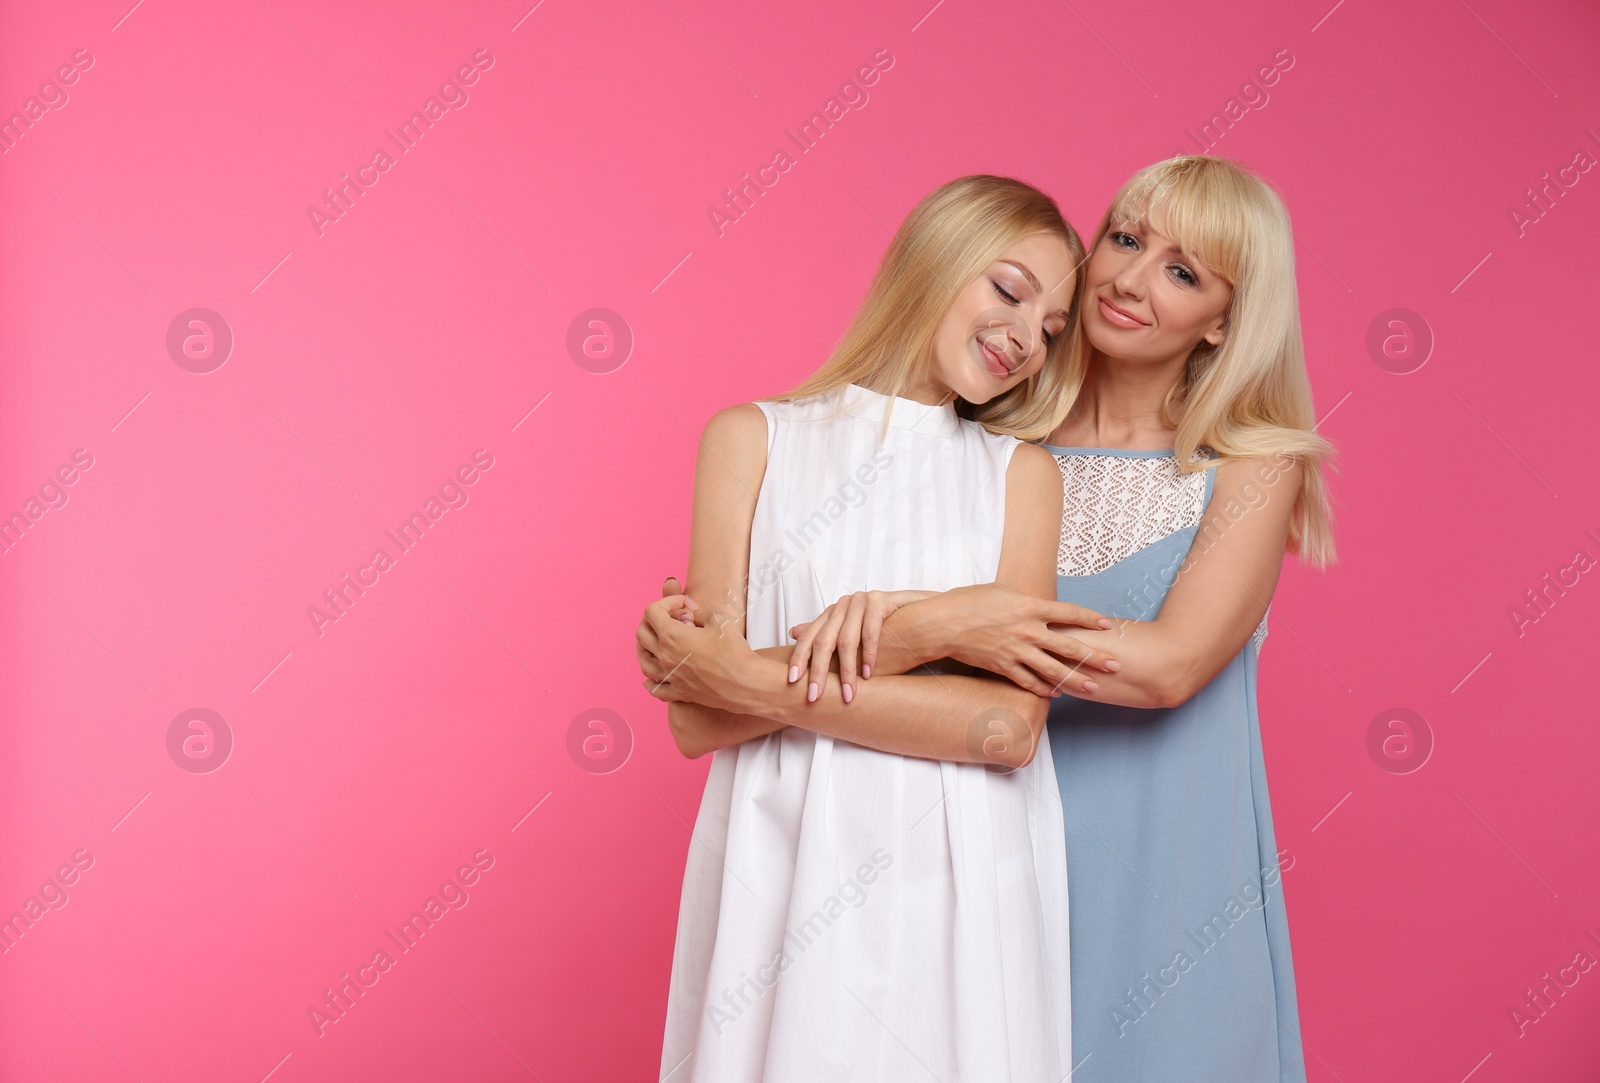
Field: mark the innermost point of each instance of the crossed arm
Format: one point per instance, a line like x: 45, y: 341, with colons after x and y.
x: 1217, y: 599
x: 1220, y: 594
x: 720, y: 692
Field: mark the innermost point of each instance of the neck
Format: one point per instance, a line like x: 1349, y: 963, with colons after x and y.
x: 1120, y: 404
x: 929, y: 393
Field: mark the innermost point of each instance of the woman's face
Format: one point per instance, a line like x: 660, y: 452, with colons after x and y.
x: 995, y: 334
x: 1146, y: 300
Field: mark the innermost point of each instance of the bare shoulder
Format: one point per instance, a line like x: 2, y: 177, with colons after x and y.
x: 1253, y: 496
x: 1033, y: 473
x: 1249, y: 475
x: 742, y: 427
x: 736, y: 437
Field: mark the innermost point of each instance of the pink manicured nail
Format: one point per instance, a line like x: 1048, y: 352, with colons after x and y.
x: 1112, y: 665
x: 866, y: 670
x: 794, y: 674
x: 849, y: 693
x: 1090, y: 686
x: 811, y: 693
x: 1105, y: 623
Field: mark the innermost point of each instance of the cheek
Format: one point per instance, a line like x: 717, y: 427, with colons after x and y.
x: 1103, y: 264
x: 1177, y: 310
x: 969, y: 304
x: 950, y: 327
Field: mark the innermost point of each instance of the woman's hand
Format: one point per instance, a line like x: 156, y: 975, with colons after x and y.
x: 685, y: 613
x: 683, y: 661
x: 987, y: 626
x: 852, y: 624
x: 1009, y: 633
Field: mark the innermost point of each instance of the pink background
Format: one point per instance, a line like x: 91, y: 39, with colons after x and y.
x: 431, y: 720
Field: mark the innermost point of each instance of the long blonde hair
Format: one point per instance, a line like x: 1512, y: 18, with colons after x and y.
x: 946, y: 241
x: 1250, y: 395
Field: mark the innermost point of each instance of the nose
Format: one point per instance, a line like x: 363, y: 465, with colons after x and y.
x: 1026, y: 336
x: 1129, y: 279
x: 1021, y: 336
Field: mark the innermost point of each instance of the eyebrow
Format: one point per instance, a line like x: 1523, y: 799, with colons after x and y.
x: 1173, y: 248
x: 1034, y: 282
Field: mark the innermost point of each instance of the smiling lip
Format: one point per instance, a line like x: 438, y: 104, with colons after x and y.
x: 996, y: 360
x: 1120, y: 317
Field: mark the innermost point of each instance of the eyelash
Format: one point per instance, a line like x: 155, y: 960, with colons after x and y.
x: 1049, y: 339
x: 1191, y: 280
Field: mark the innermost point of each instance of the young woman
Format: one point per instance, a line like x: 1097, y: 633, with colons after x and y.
x: 851, y: 910
x: 1190, y: 464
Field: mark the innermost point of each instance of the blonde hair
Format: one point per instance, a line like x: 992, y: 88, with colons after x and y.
x: 946, y: 241
x: 1250, y: 395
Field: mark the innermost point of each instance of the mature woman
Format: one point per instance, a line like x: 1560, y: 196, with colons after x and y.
x: 1190, y: 464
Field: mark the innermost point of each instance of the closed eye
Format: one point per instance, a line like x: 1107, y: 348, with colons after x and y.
x: 1049, y: 339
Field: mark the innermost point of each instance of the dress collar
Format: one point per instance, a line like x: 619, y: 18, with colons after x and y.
x: 904, y: 413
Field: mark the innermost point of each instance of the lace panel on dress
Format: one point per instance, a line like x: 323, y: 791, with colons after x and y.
x: 1115, y: 505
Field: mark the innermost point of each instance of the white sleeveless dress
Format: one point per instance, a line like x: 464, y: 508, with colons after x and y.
x: 849, y: 914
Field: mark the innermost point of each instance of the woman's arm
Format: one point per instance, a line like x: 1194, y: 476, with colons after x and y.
x: 1217, y: 600
x: 729, y: 467
x: 978, y: 719
x: 699, y: 729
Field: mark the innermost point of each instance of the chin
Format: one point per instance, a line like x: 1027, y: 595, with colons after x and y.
x: 1108, y: 342
x: 977, y: 390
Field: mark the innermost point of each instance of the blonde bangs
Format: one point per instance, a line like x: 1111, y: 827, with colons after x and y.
x: 1201, y: 209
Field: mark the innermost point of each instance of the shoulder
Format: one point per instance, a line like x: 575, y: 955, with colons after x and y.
x: 1034, y: 471
x: 738, y: 428
x: 1257, y: 491
x: 1249, y: 474
x: 735, y: 439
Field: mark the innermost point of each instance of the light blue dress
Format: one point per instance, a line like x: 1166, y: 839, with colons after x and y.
x: 1181, y: 967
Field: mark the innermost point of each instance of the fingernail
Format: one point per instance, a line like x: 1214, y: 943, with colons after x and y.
x: 1090, y: 686
x: 794, y: 674
x: 1112, y: 665
x: 1104, y: 623
x: 811, y: 693
x: 866, y: 670
x: 849, y: 693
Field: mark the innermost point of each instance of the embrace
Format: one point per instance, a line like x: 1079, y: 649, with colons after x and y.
x: 974, y: 613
